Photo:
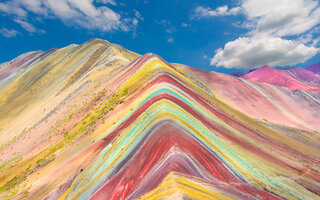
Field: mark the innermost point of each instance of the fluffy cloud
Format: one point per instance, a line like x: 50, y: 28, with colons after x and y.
x: 201, y: 12
x: 282, y: 17
x: 11, y: 8
x: 268, y: 23
x: 89, y: 14
x: 252, y: 52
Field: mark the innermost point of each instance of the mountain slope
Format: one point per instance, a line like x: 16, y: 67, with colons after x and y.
x: 122, y: 126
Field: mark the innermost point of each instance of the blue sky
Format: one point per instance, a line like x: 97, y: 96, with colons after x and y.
x: 224, y: 36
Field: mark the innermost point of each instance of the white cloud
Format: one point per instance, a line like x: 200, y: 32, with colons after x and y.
x: 205, y: 57
x: 138, y: 15
x: 80, y: 13
x: 171, y: 30
x: 12, y: 8
x: 268, y: 23
x: 135, y: 22
x: 34, y: 6
x: 167, y: 26
x: 26, y: 25
x: 184, y: 25
x: 201, y: 12
x: 112, y: 2
x: 170, y: 40
x: 282, y: 17
x: 252, y: 52
x: 8, y: 33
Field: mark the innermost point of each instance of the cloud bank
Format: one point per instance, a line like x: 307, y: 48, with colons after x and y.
x: 251, y: 52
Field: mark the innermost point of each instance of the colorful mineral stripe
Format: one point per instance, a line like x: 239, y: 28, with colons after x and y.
x: 96, y: 121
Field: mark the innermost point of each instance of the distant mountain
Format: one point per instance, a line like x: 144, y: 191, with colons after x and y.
x: 303, y: 75
x: 97, y: 121
x: 251, y: 70
x: 315, y: 68
x: 237, y: 74
x: 273, y: 76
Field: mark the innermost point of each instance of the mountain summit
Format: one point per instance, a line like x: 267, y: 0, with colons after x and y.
x: 97, y: 121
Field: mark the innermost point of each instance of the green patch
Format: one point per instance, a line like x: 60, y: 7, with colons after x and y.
x: 15, y: 181
x: 125, y: 91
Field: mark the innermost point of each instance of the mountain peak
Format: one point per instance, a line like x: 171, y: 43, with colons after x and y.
x: 97, y: 41
x: 266, y: 67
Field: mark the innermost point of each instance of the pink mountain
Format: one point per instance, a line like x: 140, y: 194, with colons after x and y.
x: 315, y: 68
x: 303, y: 75
x: 272, y: 76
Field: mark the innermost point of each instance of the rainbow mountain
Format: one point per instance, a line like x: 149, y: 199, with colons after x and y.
x: 97, y: 121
